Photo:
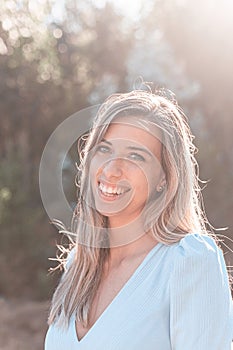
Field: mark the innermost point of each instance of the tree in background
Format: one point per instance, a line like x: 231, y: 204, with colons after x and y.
x: 200, y: 34
x: 59, y: 57
x: 49, y: 69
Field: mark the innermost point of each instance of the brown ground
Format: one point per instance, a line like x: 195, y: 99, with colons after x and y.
x: 23, y: 324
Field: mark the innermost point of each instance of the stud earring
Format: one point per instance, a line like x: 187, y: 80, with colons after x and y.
x: 160, y: 188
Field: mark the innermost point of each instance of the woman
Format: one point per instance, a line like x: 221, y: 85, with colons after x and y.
x: 144, y: 273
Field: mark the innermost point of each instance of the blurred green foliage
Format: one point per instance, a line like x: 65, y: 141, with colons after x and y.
x: 24, y: 244
x: 59, y: 57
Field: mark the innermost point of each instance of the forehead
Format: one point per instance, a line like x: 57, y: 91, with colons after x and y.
x: 135, y: 130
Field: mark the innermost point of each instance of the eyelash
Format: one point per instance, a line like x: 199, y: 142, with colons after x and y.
x: 103, y: 149
x: 135, y: 156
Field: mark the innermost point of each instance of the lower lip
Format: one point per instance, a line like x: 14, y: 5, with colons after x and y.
x: 110, y: 198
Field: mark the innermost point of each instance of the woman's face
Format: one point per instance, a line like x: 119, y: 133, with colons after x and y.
x: 125, y: 171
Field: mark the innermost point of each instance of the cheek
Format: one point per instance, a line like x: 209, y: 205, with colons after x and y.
x: 139, y: 180
x: 95, y: 167
x: 153, y: 177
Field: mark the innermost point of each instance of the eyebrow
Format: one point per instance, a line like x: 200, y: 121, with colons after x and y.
x: 109, y: 143
x: 133, y: 148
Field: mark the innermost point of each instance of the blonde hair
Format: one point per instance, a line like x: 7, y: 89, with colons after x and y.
x: 179, y: 214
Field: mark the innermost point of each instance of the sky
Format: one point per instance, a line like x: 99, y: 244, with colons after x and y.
x: 129, y: 8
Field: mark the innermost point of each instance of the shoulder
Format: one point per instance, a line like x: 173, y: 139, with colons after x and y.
x: 200, y: 297
x: 197, y: 245
x: 199, y: 254
x: 70, y: 258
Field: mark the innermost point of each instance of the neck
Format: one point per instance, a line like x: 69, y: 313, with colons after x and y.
x: 121, y: 234
x: 135, y: 248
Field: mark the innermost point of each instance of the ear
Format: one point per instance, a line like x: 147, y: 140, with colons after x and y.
x: 160, y: 186
x: 162, y: 181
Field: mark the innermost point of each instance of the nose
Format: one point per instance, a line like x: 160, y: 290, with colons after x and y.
x: 113, y: 168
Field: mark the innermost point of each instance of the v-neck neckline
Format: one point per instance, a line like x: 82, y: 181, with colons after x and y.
x: 121, y: 292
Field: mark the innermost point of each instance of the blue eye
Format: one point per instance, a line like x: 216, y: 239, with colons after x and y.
x: 103, y: 149
x: 136, y: 156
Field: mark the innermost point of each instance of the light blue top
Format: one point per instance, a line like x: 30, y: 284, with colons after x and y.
x: 177, y: 299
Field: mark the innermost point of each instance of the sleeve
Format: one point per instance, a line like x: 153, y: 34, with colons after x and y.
x: 70, y: 258
x: 68, y: 262
x: 201, y: 311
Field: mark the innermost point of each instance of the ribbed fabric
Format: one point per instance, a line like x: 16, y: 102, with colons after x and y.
x: 177, y: 299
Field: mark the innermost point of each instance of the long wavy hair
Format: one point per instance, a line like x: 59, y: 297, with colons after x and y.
x: 170, y: 216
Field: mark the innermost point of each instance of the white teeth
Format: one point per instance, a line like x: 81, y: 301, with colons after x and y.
x: 111, y: 190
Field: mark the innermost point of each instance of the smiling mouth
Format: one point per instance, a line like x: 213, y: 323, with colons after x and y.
x: 110, y: 191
